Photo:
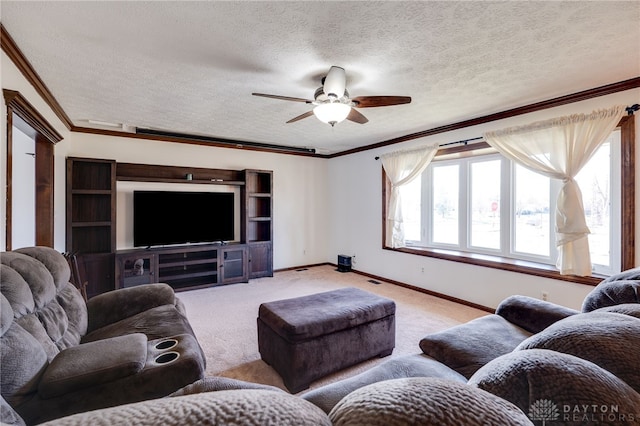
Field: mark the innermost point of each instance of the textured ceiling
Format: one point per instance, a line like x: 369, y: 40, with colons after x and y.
x: 190, y: 67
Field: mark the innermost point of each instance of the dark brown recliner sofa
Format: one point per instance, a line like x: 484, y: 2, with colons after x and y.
x: 61, y: 355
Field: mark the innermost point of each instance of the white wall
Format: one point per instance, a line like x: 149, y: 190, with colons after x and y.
x: 299, y: 188
x: 322, y: 208
x: 356, y: 223
x: 23, y: 200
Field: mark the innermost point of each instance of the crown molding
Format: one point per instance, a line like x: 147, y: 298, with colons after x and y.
x: 608, y: 89
x: 15, y: 54
x: 12, y: 50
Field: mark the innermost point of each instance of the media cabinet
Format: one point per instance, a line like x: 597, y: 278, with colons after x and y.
x: 185, y: 267
x: 91, y: 228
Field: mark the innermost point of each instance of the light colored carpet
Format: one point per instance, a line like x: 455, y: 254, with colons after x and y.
x: 224, y: 319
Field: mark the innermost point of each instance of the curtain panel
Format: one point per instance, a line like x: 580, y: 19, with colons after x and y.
x: 401, y: 168
x: 559, y: 148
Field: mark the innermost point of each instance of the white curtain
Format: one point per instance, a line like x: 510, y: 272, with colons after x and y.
x: 559, y: 148
x: 401, y: 168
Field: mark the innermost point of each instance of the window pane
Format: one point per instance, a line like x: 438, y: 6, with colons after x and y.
x: 594, y: 182
x: 532, y: 212
x: 411, y: 208
x: 485, y: 204
x: 445, y: 204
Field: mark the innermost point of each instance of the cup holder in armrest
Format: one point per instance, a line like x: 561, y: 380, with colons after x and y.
x: 167, y: 357
x: 166, y: 344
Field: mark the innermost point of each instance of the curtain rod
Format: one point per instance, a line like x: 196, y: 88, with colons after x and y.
x: 630, y: 110
x: 464, y: 142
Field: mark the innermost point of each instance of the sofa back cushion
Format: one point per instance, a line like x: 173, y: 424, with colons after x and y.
x: 607, y: 339
x: 42, y: 313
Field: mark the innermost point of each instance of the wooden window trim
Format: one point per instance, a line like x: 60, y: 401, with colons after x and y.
x: 627, y: 225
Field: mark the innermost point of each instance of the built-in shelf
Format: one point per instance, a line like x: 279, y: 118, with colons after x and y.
x: 91, y: 227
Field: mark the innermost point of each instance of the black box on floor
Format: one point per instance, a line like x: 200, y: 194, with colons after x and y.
x: 344, y: 263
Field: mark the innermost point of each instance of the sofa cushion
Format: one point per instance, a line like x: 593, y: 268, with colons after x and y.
x: 609, y: 293
x: 424, y: 401
x: 114, y: 306
x: 534, y: 315
x: 607, y: 339
x: 219, y: 383
x: 417, y: 365
x: 222, y: 408
x: 8, y: 416
x: 529, y: 379
x: 92, y: 364
x: 631, y: 309
x: 156, y: 323
x: 469, y: 346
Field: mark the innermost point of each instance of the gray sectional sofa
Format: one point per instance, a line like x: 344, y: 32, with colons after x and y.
x: 529, y: 362
x: 61, y: 356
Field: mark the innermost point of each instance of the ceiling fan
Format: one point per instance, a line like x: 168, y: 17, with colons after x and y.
x: 333, y: 104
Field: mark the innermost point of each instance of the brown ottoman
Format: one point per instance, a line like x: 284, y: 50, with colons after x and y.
x: 306, y: 338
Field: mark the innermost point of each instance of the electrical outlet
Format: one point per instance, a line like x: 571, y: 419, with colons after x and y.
x: 353, y: 259
x: 422, y: 269
x: 545, y: 295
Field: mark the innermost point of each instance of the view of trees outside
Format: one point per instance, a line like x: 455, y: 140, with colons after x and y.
x: 445, y: 204
x: 594, y: 184
x: 531, y: 225
x: 485, y: 204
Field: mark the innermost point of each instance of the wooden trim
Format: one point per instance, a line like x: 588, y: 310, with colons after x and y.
x: 628, y: 182
x: 9, y: 182
x: 502, y: 263
x: 177, y: 174
x: 12, y: 50
x: 44, y: 191
x: 628, y: 218
x: 45, y: 138
x: 608, y: 89
x: 20, y: 106
x: 295, y: 268
x: 429, y: 292
x: 398, y: 283
x: 189, y: 141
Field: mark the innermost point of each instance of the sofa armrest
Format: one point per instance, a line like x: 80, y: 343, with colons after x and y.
x: 531, y: 314
x: 108, y: 308
x: 92, y: 364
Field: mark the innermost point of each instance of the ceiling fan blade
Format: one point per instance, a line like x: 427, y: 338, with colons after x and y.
x: 356, y: 117
x: 301, y: 116
x: 379, y: 101
x: 283, y: 98
x: 335, y: 82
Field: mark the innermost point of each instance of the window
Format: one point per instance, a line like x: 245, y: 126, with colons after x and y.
x: 488, y: 205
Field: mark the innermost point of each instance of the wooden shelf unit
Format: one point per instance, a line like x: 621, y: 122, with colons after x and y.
x: 257, y: 221
x: 91, y: 219
x: 91, y: 228
x: 183, y: 267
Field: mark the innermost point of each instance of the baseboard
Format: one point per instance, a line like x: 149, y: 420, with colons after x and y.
x: 398, y: 283
x: 295, y: 268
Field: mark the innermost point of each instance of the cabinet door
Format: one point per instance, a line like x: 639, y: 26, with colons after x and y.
x: 233, y: 266
x: 260, y: 260
x: 97, y: 271
x: 134, y: 269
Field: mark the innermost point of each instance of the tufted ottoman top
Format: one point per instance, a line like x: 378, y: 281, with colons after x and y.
x: 306, y: 317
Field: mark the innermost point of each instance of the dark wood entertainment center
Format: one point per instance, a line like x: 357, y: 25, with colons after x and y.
x: 91, y: 229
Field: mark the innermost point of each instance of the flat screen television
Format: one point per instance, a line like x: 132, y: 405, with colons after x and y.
x: 175, y: 217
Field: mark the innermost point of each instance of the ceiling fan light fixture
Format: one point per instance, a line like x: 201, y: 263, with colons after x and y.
x: 332, y: 112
